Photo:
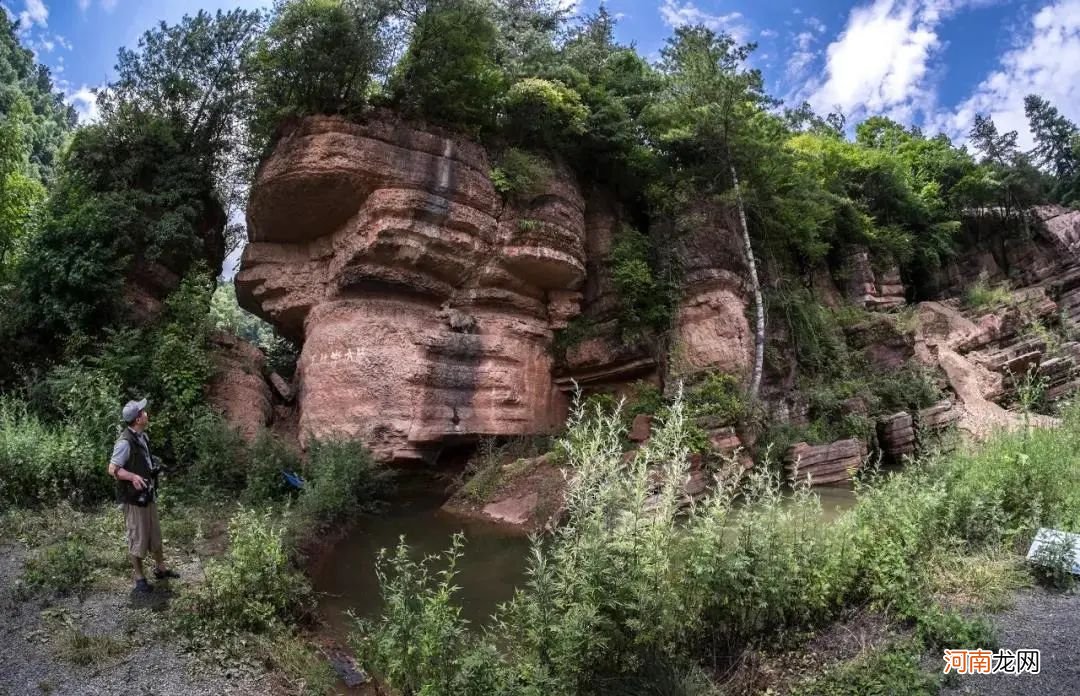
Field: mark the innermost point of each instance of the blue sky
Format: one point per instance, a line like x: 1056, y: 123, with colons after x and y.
x: 935, y: 63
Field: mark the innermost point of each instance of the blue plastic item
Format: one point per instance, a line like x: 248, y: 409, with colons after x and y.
x: 292, y: 479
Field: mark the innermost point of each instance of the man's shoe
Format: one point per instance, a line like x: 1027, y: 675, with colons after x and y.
x: 164, y: 574
x: 143, y: 587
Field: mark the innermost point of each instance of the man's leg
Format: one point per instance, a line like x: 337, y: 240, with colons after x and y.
x: 136, y: 563
x: 138, y: 541
x: 155, y: 545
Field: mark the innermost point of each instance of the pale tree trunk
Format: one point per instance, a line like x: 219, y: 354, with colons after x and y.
x: 759, y: 304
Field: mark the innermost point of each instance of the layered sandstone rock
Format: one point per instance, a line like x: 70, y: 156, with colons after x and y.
x: 424, y: 303
x: 602, y: 359
x: 712, y: 328
x: 835, y: 462
x: 238, y: 390
x: 896, y: 433
x: 880, y: 289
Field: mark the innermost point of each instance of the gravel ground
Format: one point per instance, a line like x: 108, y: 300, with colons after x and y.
x: 31, y: 635
x: 1039, y: 619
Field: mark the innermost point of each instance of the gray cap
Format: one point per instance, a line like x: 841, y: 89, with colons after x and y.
x: 132, y: 409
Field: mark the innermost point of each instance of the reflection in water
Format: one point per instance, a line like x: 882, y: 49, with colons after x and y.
x: 492, y: 566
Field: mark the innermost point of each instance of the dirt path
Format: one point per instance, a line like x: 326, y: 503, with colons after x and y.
x: 35, y: 655
x: 1039, y: 619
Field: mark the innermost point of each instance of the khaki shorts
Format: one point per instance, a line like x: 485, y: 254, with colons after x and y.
x: 143, y: 529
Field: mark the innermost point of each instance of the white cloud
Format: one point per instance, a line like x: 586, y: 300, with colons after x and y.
x: 84, y: 5
x: 677, y: 14
x: 802, y: 57
x: 84, y: 102
x: 108, y: 5
x: 35, y: 13
x: 63, y: 42
x: 816, y: 24
x: 1045, y: 60
x: 880, y: 63
x: 768, y: 34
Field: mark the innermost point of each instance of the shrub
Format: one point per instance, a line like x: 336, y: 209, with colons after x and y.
x: 61, y: 568
x: 637, y: 576
x: 253, y: 588
x: 521, y: 174
x: 980, y: 296
x: 40, y: 462
x: 343, y: 481
x: 419, y: 643
x: 219, y: 457
x: 483, y: 472
x: 1053, y: 563
x: 646, y: 297
x: 268, y: 458
x: 719, y: 396
x: 546, y: 113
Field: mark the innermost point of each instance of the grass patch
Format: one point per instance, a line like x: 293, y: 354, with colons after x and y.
x: 892, y: 671
x: 83, y: 649
x: 62, y: 568
x: 981, y: 296
x: 984, y: 580
x: 303, y: 668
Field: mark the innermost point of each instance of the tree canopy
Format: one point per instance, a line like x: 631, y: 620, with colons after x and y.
x: 196, y: 105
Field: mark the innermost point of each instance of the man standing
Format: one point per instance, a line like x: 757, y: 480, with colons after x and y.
x: 136, y: 486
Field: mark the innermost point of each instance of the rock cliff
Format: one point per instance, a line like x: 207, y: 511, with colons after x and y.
x: 425, y: 303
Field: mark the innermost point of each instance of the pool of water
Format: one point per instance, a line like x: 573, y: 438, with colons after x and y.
x: 492, y: 566
x: 493, y: 563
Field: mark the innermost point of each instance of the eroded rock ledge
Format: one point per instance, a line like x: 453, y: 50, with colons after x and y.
x: 425, y: 304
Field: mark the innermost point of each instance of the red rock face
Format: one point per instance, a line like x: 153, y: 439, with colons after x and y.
x: 425, y: 305
x: 712, y: 331
x: 238, y: 390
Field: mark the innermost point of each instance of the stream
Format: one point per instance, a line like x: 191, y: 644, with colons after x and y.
x: 492, y: 565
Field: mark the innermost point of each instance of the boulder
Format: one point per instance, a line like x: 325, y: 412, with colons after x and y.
x: 835, y: 462
x: 897, y: 435
x: 641, y: 427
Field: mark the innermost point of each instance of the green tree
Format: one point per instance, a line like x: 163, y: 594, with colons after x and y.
x: 708, y: 124
x: 22, y: 79
x: 1008, y: 178
x: 1057, y: 147
x: 449, y: 73
x: 193, y: 75
x: 320, y: 57
x: 20, y: 192
x: 1054, y: 135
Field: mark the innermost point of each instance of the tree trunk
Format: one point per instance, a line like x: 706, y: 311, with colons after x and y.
x: 759, y: 305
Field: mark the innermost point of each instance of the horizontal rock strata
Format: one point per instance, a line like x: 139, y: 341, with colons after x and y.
x: 425, y: 305
x: 835, y: 462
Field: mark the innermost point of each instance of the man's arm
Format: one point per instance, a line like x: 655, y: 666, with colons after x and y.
x: 119, y: 458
